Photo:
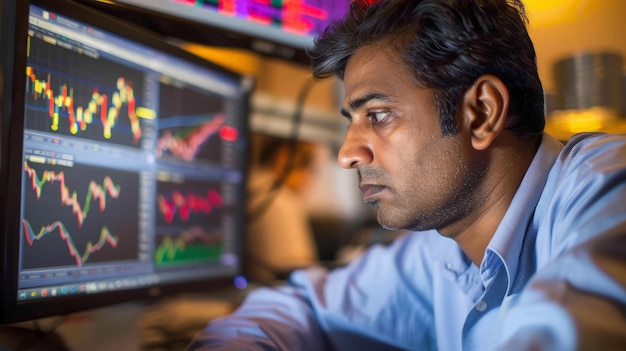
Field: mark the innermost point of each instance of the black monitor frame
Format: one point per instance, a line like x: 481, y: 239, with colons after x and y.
x: 14, y: 21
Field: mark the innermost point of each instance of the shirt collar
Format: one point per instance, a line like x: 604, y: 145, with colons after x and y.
x: 508, y: 238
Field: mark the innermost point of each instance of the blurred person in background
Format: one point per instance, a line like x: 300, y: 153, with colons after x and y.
x: 279, y: 235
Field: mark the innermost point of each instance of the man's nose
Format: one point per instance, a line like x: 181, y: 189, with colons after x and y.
x: 356, y: 150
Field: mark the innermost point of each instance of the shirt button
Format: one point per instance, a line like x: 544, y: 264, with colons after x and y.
x: 481, y: 306
x: 449, y: 265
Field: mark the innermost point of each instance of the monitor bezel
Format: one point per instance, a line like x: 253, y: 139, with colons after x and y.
x: 13, y: 34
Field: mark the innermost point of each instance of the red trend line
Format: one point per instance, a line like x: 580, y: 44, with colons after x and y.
x: 90, y: 248
x: 186, y: 205
x: 187, y: 146
x: 80, y: 116
x: 95, y: 191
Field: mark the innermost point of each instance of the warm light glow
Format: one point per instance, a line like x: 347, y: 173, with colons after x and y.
x: 243, y: 62
x: 544, y: 13
x: 564, y: 124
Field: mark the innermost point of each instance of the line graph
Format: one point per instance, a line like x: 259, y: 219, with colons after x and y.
x: 194, y: 244
x: 95, y: 191
x: 190, y: 124
x: 186, y: 143
x: 105, y: 238
x: 68, y: 93
x: 188, y: 222
x: 78, y: 215
x: 187, y: 204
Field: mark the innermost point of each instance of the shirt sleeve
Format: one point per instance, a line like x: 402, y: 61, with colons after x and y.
x: 343, y: 309
x: 269, y: 319
x: 577, y: 298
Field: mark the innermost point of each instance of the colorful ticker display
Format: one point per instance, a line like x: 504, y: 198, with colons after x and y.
x: 78, y: 215
x: 302, y: 17
x: 192, y: 125
x: 72, y: 98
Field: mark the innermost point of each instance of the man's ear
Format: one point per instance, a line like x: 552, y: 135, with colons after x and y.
x: 484, y: 110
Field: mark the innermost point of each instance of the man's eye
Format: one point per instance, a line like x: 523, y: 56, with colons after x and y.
x: 377, y: 116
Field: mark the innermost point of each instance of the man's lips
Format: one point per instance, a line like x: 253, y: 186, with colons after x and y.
x: 370, y: 190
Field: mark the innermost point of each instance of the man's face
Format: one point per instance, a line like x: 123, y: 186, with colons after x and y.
x: 414, y: 176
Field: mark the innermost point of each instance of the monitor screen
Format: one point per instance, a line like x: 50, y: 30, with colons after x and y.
x: 123, y: 164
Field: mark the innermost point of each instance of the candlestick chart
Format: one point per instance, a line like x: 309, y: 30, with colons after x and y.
x: 72, y: 98
x: 191, y: 125
x: 78, y: 215
x: 188, y: 222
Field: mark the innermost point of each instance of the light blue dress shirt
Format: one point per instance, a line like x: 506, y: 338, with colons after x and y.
x: 553, y: 276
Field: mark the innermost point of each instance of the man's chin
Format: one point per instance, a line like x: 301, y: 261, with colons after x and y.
x: 386, y: 224
x: 397, y: 223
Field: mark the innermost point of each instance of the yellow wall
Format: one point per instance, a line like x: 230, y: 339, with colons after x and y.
x: 561, y: 28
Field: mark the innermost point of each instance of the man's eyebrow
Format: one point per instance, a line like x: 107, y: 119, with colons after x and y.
x: 355, y: 104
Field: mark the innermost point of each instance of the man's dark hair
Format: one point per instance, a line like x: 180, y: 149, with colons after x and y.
x: 447, y: 44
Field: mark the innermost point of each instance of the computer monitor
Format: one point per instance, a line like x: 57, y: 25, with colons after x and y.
x: 283, y: 29
x: 122, y: 164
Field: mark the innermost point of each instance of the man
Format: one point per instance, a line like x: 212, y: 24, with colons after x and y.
x: 520, y: 240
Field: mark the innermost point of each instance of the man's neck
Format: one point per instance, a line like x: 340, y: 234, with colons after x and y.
x: 510, y: 161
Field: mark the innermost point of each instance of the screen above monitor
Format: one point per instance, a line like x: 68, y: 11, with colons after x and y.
x: 277, y: 28
x: 293, y: 23
x: 123, y: 164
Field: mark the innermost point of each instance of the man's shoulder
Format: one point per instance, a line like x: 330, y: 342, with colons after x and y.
x: 589, y: 141
x: 584, y: 194
x: 590, y: 165
x: 593, y: 151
